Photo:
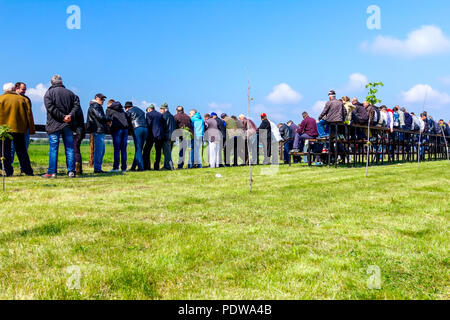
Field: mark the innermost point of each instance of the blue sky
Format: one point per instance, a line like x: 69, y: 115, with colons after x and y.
x: 194, y: 53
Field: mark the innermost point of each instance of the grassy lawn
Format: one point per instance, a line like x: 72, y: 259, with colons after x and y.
x: 303, y: 233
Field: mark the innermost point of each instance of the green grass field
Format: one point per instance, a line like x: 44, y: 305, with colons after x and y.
x: 303, y: 233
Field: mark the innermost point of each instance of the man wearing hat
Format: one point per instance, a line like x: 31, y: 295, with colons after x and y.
x: 170, y: 126
x: 333, y: 112
x: 265, y: 135
x: 97, y: 125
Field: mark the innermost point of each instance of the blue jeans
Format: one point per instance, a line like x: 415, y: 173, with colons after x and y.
x: 139, y: 137
x: 196, y: 151
x: 287, y: 148
x: 120, y: 141
x: 99, y: 150
x: 323, y: 129
x: 53, y: 139
x: 13, y: 149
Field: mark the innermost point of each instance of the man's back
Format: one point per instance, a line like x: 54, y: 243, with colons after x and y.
x: 59, y: 103
x: 15, y: 111
x: 155, y: 124
x: 334, y: 111
x: 183, y: 121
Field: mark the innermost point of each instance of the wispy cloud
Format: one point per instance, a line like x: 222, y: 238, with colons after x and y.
x: 424, y: 93
x: 427, y: 40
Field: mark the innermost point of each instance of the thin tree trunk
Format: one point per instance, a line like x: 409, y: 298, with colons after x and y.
x: 3, y: 164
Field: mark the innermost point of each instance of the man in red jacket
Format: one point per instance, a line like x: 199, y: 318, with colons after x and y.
x: 307, y: 130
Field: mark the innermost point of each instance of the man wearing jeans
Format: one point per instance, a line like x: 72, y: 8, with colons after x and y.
x: 97, y: 125
x: 62, y: 105
x: 138, y: 124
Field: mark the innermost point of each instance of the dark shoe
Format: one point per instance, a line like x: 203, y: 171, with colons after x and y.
x: 99, y: 172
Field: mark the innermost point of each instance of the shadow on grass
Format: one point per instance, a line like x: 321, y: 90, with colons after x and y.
x: 48, y: 229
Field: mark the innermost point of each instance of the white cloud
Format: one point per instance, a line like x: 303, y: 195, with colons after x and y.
x: 284, y: 94
x: 318, y: 107
x: 425, y: 93
x: 219, y: 108
x: 37, y: 94
x: 427, y: 40
x: 145, y: 104
x: 357, y: 82
x: 445, y: 80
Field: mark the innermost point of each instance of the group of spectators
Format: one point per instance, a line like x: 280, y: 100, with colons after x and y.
x: 160, y: 129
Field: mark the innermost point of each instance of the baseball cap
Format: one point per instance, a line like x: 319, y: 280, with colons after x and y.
x: 263, y: 115
x: 100, y: 96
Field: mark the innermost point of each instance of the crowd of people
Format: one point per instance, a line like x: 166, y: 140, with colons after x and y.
x: 224, y: 134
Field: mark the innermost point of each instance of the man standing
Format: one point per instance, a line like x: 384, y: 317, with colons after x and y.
x: 119, y: 133
x: 138, y: 124
x: 221, y: 126
x: 183, y: 122
x: 198, y: 124
x: 251, y: 138
x: 155, y: 137
x: 97, y: 124
x: 287, y: 139
x: 214, y: 138
x: 62, y: 106
x: 265, y: 137
x: 294, y: 129
x: 333, y: 112
x: 170, y: 126
x: 21, y: 89
x: 15, y: 112
x: 78, y: 137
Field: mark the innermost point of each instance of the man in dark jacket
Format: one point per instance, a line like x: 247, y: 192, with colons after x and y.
x: 155, y: 123
x: 183, y: 122
x: 138, y: 124
x: 288, y: 141
x: 360, y: 114
x: 62, y: 106
x: 221, y: 126
x: 170, y: 126
x: 333, y: 112
x: 78, y: 137
x: 294, y: 129
x: 265, y: 137
x: 306, y: 131
x: 97, y: 124
x: 119, y: 133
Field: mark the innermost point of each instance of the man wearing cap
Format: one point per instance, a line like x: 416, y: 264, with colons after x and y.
x: 265, y: 136
x: 155, y: 137
x: 333, y: 112
x: 97, y: 125
x: 170, y: 126
x: 62, y: 107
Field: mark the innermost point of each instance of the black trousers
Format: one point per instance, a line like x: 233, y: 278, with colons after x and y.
x: 77, y: 140
x: 149, y: 143
x: 22, y: 155
x: 167, y: 149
